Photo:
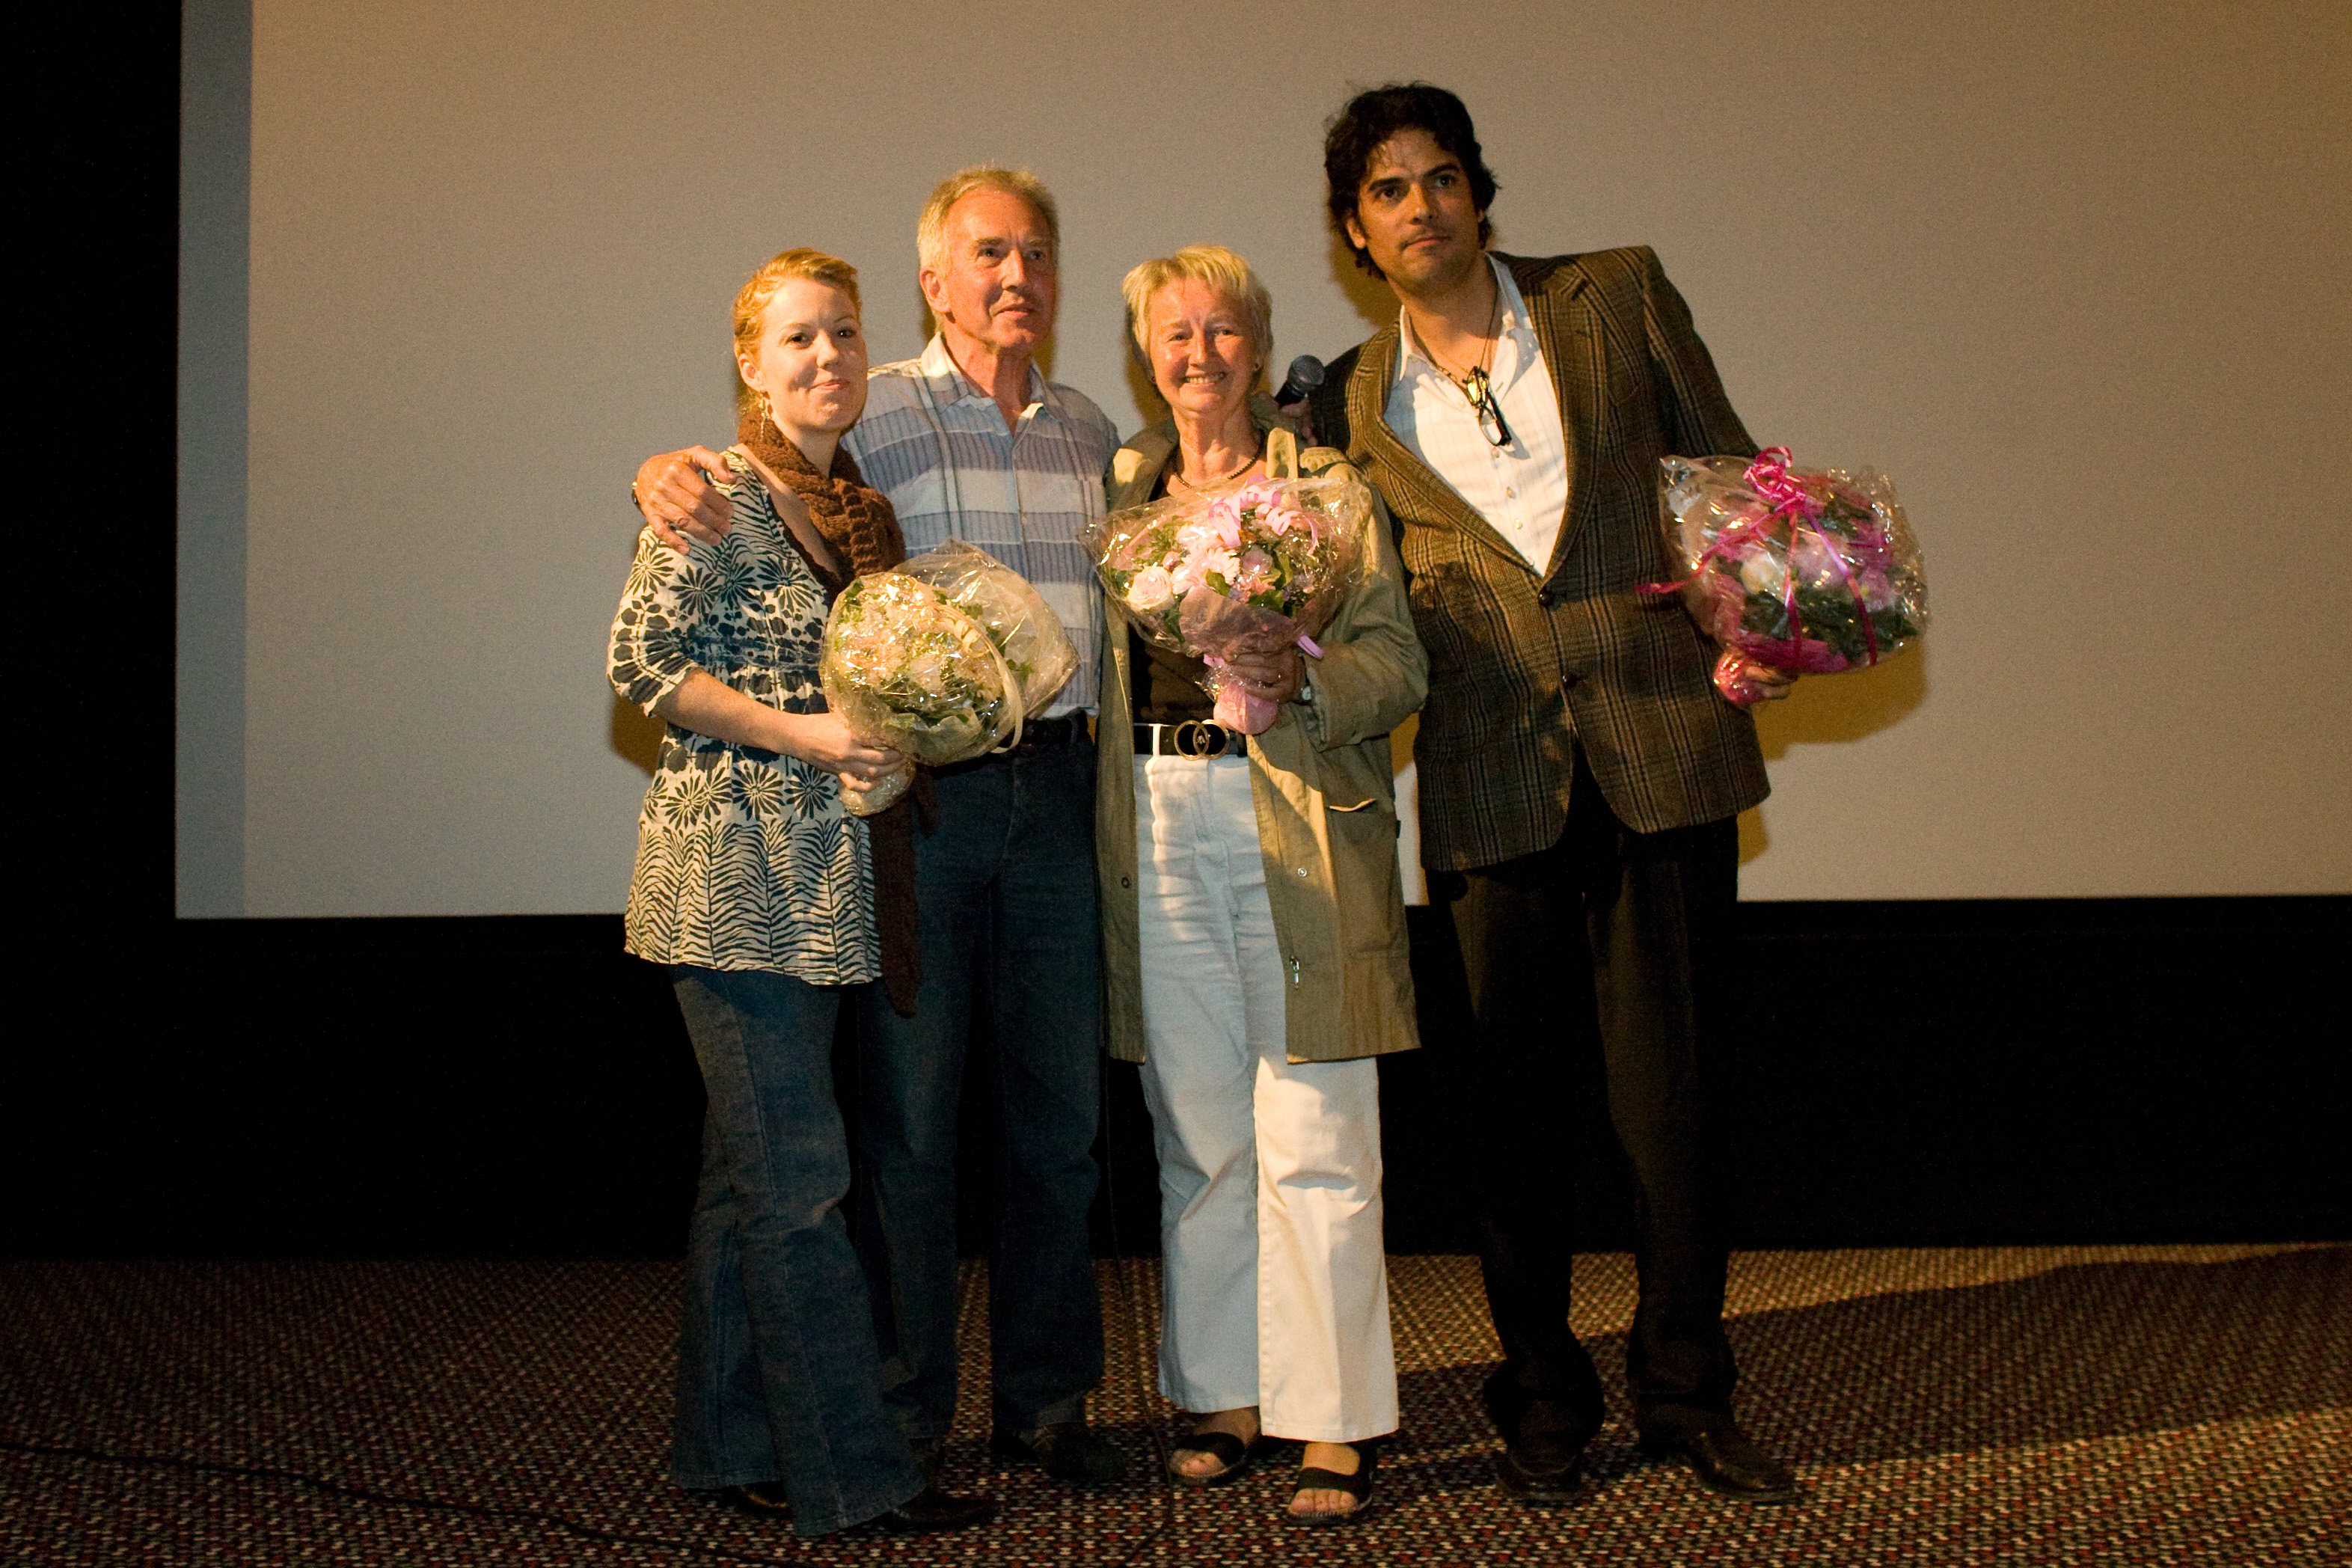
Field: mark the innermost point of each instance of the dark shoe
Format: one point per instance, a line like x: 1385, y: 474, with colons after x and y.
x: 929, y: 1454
x: 1727, y: 1464
x: 1231, y: 1452
x: 1069, y: 1450
x: 765, y: 1499
x: 1314, y: 1478
x: 1552, y: 1486
x: 932, y: 1509
x: 1543, y: 1446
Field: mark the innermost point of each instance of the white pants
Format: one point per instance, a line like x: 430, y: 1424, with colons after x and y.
x: 1276, y: 1283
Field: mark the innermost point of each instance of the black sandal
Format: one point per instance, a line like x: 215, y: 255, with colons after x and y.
x: 1230, y: 1451
x: 1314, y: 1478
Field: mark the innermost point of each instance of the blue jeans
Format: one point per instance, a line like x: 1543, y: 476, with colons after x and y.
x: 1005, y: 888
x: 777, y: 1376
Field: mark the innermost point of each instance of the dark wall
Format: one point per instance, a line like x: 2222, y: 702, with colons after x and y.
x: 2155, y: 1069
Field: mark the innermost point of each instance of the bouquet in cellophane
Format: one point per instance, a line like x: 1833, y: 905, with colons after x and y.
x: 1809, y: 571
x: 1244, y: 566
x: 940, y: 658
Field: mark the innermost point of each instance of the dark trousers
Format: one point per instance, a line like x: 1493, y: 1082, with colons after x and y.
x: 1609, y: 943
x: 1005, y: 901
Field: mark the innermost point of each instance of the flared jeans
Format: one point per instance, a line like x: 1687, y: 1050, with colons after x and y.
x: 777, y: 1376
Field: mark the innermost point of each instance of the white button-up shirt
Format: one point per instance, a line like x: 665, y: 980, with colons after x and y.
x: 1522, y: 488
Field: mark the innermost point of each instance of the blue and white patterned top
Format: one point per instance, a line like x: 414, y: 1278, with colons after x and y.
x: 935, y: 443
x: 746, y: 858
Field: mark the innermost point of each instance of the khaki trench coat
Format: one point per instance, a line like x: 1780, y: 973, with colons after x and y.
x: 1325, y: 795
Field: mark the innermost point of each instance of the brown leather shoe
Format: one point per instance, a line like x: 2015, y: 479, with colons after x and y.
x: 930, y: 1510
x: 1727, y: 1464
x: 1541, y: 1464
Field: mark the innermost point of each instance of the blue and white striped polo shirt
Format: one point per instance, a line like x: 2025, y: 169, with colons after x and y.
x: 936, y: 444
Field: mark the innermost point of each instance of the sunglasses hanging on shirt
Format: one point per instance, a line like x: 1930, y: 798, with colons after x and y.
x: 1476, y: 389
x: 1479, y: 392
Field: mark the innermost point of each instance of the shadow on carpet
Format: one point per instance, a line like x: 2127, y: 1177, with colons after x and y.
x: 2179, y: 1406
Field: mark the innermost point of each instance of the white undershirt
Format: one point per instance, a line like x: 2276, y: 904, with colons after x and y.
x: 1521, y: 490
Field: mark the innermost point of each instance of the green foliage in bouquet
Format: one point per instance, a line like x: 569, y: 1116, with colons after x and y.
x: 939, y: 658
x: 1830, y: 609
x: 916, y: 671
x: 1290, y: 558
x: 1831, y: 618
x: 1286, y: 549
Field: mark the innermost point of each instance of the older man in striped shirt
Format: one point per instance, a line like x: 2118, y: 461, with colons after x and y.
x: 970, y: 441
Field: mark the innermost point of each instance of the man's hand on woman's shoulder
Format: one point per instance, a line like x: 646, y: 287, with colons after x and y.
x: 679, y: 492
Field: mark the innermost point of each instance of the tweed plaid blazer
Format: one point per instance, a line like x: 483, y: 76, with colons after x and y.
x: 1526, y: 664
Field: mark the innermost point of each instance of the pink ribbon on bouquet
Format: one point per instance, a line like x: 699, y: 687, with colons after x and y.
x: 1767, y: 475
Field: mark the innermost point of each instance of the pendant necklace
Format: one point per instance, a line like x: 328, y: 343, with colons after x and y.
x: 1176, y: 475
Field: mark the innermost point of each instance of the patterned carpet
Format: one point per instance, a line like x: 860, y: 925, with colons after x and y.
x: 2056, y: 1405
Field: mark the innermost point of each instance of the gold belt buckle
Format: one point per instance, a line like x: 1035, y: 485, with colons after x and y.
x: 1195, y: 739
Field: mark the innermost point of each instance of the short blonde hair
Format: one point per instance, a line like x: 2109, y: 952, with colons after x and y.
x: 931, y: 228
x: 1218, y: 269
x: 751, y: 299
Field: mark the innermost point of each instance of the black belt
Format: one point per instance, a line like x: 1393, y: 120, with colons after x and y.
x: 1194, y: 738
x: 1068, y: 730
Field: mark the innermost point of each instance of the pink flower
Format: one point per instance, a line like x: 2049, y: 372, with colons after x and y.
x: 1871, y: 549
x: 1810, y: 559
x: 1759, y: 573
x: 1187, y: 573
x: 1225, y: 520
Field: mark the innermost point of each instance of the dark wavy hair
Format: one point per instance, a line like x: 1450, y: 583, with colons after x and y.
x: 1351, y: 136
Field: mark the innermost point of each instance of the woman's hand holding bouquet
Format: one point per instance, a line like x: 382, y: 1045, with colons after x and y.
x: 1239, y: 569
x: 1806, y: 570
x: 940, y: 658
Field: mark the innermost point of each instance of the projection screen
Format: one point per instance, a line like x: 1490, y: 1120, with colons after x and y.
x: 2073, y: 276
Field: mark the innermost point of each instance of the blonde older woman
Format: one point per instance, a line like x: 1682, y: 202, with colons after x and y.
x: 1254, y: 941
x: 758, y: 892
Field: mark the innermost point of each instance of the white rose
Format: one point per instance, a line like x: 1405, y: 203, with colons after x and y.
x: 1759, y: 573
x: 1152, y: 590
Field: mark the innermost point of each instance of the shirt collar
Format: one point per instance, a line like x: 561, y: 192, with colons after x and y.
x: 1413, y: 359
x: 949, y: 384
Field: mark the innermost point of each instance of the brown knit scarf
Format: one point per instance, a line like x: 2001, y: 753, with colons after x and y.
x: 862, y: 530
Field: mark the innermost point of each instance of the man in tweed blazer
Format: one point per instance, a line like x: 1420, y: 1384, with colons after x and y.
x: 1580, y: 775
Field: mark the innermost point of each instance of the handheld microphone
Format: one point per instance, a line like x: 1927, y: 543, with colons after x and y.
x: 1306, y: 376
